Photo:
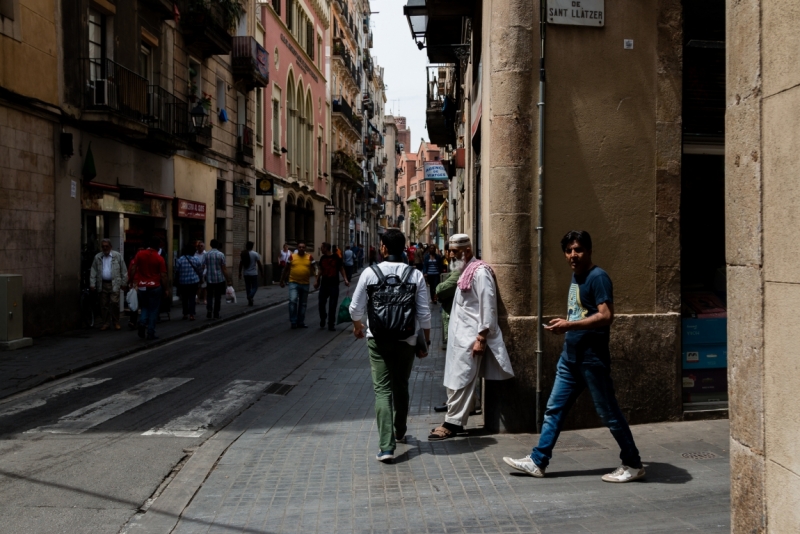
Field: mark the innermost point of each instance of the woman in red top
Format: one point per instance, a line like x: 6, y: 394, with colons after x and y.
x: 149, y: 272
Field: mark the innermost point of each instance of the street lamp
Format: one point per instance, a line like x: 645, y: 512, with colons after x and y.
x: 199, y: 116
x: 417, y: 14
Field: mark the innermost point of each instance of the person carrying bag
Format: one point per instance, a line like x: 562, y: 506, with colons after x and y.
x: 394, y: 299
x: 188, y: 274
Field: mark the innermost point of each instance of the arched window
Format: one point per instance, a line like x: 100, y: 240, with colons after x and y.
x: 309, y: 220
x: 300, y: 118
x: 309, y: 133
x: 290, y: 220
x: 291, y: 114
x: 299, y: 220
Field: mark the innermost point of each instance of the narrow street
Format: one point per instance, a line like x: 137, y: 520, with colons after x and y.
x: 84, y: 453
x: 252, y: 427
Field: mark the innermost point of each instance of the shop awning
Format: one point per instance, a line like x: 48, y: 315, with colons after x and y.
x: 433, y: 218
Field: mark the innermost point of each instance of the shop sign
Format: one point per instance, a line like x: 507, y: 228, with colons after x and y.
x: 94, y: 200
x: 189, y: 209
x: 576, y: 12
x: 434, y: 170
x: 330, y: 209
x: 264, y: 187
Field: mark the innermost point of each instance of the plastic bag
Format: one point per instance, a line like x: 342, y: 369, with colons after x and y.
x: 132, y: 298
x: 230, y: 295
x: 344, y: 311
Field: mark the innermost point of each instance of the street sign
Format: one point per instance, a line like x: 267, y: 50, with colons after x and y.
x: 576, y: 12
x: 264, y: 187
x: 434, y: 170
x: 330, y: 209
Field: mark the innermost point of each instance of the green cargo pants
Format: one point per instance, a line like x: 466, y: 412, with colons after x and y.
x: 391, y: 364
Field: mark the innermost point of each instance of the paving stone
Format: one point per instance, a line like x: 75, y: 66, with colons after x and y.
x: 307, y: 465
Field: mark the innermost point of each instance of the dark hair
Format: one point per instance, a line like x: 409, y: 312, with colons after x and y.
x: 394, y: 241
x: 581, y: 236
x: 300, y: 242
x: 155, y: 242
x: 244, y: 258
x: 250, y: 245
x: 215, y: 244
x: 188, y: 249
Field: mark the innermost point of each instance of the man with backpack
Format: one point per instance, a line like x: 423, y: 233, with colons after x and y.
x: 394, y: 298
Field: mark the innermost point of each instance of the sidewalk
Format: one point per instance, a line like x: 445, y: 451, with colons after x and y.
x: 306, y: 463
x: 51, y: 357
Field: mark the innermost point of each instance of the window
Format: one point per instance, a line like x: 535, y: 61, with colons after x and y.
x: 146, y: 62
x: 97, y: 48
x: 10, y: 23
x: 7, y: 9
x: 290, y: 15
x: 259, y: 116
x: 319, y: 55
x: 220, y: 97
x: 319, y: 153
x: 310, y: 40
x: 276, y: 125
x: 276, y: 5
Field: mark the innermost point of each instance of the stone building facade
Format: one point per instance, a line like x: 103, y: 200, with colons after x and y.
x: 762, y: 195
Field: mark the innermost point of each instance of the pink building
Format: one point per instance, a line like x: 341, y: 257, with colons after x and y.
x: 296, y: 120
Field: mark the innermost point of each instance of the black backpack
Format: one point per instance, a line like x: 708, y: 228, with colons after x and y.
x: 392, y: 306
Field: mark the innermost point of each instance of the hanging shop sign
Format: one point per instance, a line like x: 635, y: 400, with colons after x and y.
x: 264, y: 187
x: 189, y: 209
x: 576, y: 12
x: 95, y: 200
x: 434, y: 170
x: 330, y: 209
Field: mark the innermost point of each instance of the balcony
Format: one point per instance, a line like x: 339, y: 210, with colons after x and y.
x: 115, y: 97
x: 167, y: 119
x: 250, y: 62
x: 164, y: 8
x: 200, y: 137
x: 440, y: 25
x: 441, y: 107
x: 344, y: 166
x: 244, y: 144
x: 206, y: 27
x: 341, y: 54
x: 341, y: 107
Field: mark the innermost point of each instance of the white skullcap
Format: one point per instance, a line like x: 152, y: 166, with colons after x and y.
x: 460, y: 240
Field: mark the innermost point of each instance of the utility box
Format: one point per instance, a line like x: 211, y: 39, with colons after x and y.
x: 11, y: 316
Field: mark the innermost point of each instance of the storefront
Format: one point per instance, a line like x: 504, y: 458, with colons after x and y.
x: 128, y: 222
x: 189, y: 224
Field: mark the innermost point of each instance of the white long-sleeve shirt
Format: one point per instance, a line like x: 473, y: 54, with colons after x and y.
x: 358, y: 306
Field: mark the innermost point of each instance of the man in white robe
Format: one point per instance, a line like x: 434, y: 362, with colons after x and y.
x: 475, y: 345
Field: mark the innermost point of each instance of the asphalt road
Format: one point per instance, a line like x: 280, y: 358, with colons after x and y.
x: 86, y: 453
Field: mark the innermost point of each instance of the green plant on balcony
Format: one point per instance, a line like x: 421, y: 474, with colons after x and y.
x: 228, y: 12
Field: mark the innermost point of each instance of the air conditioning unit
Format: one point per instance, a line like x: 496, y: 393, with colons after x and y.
x: 103, y: 91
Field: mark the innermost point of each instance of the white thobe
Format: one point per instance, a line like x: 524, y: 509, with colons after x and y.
x: 473, y: 312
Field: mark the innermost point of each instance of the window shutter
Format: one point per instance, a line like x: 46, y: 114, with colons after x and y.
x: 310, y: 39
x: 276, y: 5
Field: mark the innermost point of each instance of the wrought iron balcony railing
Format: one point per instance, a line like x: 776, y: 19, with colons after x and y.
x: 250, y: 62
x: 112, y: 87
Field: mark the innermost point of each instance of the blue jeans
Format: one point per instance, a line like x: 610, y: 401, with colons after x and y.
x: 251, y: 285
x: 149, y: 304
x: 298, y: 296
x: 571, y: 379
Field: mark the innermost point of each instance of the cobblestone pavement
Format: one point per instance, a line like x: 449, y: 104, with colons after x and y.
x: 307, y: 464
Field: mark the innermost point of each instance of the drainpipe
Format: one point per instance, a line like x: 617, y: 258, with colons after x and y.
x: 540, y: 222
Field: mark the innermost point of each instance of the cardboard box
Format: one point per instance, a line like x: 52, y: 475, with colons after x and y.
x: 704, y: 331
x: 705, y: 381
x: 705, y: 356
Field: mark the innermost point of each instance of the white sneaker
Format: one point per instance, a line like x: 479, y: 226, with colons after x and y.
x: 525, y: 465
x: 624, y: 473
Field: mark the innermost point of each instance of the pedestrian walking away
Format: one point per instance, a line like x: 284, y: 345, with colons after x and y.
x: 419, y: 256
x: 200, y: 254
x: 432, y: 267
x: 394, y: 299
x: 108, y: 275
x: 330, y: 265
x: 585, y: 363
x: 188, y: 273
x: 150, y: 277
x: 298, y: 271
x: 475, y: 344
x: 284, y: 256
x: 349, y: 260
x: 250, y: 266
x: 217, y: 279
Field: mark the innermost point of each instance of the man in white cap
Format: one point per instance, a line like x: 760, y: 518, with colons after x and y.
x: 474, y: 340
